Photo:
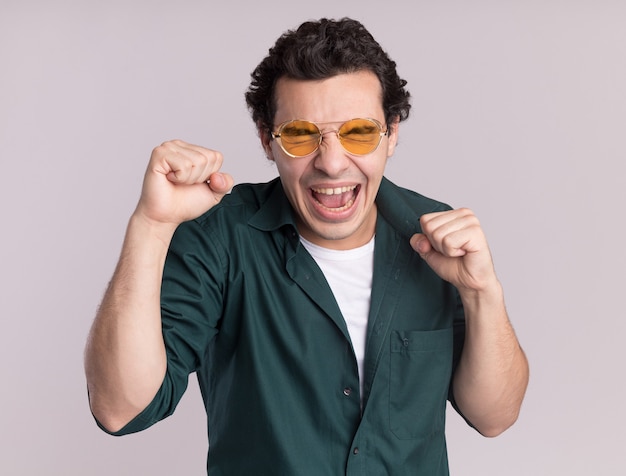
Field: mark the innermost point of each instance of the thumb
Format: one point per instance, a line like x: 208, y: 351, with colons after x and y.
x: 220, y: 183
x: 421, y: 245
x: 437, y: 262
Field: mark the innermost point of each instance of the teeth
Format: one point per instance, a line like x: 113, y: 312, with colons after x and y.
x: 334, y: 191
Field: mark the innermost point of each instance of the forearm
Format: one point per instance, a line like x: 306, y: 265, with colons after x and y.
x: 492, y: 375
x: 125, y: 358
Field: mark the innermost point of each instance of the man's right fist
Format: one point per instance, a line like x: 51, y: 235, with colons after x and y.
x: 182, y: 182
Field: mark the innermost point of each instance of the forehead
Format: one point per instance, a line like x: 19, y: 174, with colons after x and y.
x: 338, y: 98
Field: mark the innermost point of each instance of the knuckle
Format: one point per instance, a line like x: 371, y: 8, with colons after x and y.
x: 448, y: 243
x: 164, y: 149
x: 167, y: 145
x: 469, y: 214
x: 426, y: 224
x: 159, y: 150
x: 218, y: 158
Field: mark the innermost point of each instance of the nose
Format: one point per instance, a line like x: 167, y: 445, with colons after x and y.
x: 331, y: 157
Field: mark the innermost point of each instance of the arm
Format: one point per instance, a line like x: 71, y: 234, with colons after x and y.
x: 492, y: 375
x: 125, y: 359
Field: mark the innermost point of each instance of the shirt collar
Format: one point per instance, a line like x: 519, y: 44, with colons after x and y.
x: 275, y: 212
x: 401, y: 208
x: 395, y: 207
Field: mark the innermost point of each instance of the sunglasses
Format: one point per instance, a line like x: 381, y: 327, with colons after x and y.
x: 357, y: 136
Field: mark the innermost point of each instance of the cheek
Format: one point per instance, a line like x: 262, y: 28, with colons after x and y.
x: 290, y: 176
x: 375, y: 169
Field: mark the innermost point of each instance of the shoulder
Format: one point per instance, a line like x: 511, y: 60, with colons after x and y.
x: 225, y: 230
x: 243, y: 200
x: 248, y: 207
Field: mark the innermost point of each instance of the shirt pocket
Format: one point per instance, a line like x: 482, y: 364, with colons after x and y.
x: 420, y: 373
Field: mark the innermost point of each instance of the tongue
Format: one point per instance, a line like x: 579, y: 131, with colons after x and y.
x: 337, y: 200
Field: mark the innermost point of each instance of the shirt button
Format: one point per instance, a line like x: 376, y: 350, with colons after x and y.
x: 405, y: 341
x: 347, y: 391
x: 355, y: 451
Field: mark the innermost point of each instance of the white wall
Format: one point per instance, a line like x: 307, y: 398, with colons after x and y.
x: 519, y: 112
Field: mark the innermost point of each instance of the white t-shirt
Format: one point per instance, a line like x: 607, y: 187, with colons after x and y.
x: 349, y: 274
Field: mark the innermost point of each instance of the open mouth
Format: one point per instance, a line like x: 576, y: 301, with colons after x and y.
x: 336, y: 199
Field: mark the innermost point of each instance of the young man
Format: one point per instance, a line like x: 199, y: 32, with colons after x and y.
x: 329, y: 314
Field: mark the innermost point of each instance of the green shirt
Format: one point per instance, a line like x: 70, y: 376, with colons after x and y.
x: 246, y: 307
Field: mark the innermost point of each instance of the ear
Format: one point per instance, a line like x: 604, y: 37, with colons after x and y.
x: 392, y: 136
x: 266, y: 143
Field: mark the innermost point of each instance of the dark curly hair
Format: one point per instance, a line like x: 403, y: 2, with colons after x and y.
x: 320, y: 50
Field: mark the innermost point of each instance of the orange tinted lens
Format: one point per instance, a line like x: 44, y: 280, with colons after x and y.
x: 360, y: 136
x: 299, y: 138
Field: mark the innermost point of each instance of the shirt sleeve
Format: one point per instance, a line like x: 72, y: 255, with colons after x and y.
x: 191, y: 302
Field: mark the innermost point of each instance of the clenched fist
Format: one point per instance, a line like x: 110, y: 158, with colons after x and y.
x: 454, y: 246
x: 181, y: 183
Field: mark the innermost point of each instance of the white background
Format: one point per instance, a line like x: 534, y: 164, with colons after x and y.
x: 519, y: 113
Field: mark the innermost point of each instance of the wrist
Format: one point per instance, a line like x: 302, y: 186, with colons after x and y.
x: 476, y: 301
x: 146, y: 230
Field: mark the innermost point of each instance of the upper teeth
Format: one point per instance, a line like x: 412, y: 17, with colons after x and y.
x: 334, y: 191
